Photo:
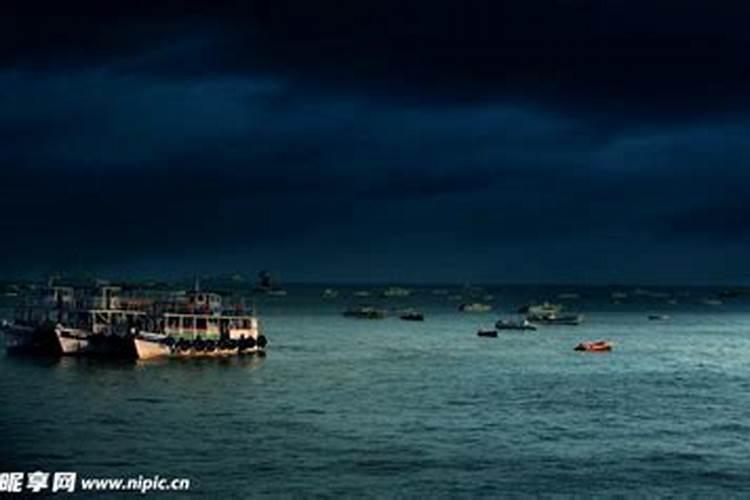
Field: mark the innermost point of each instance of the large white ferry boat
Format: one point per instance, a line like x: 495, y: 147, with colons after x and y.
x: 198, y: 326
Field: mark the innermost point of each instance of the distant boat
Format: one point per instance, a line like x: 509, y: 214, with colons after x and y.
x: 330, y: 293
x: 267, y: 285
x: 563, y: 319
x: 509, y: 324
x: 475, y: 307
x: 365, y: 312
x: 361, y: 293
x: 658, y: 317
x: 600, y: 346
x: 412, y: 316
x: 395, y: 291
x: 540, y: 310
x: 487, y: 333
x: 550, y: 314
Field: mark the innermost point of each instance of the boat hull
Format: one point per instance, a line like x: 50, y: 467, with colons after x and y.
x: 72, y: 341
x: 155, y: 347
x: 112, y: 346
x: 38, y: 340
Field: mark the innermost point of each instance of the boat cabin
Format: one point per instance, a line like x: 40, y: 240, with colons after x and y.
x: 190, y: 326
x: 110, y: 321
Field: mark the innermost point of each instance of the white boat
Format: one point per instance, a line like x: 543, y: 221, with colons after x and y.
x: 201, y: 328
x: 475, y: 307
x: 550, y: 314
x: 395, y: 291
x: 511, y: 324
x: 545, y: 309
x: 72, y: 341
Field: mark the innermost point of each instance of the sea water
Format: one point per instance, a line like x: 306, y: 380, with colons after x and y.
x: 383, y: 408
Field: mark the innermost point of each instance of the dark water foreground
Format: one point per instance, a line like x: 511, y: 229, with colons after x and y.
x: 390, y: 408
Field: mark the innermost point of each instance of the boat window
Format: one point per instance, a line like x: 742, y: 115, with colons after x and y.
x: 200, y: 323
x: 187, y: 322
x: 247, y: 324
x: 173, y: 322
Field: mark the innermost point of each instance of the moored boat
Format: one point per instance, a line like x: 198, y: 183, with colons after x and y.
x: 200, y: 327
x: 72, y: 341
x: 32, y: 330
x: 365, y: 312
x: 475, y: 307
x: 599, y: 346
x: 395, y: 292
x: 487, y: 333
x: 563, y: 319
x: 509, y: 324
x: 550, y: 314
x: 658, y: 317
x: 412, y: 316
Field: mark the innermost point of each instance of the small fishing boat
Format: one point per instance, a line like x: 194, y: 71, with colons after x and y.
x: 563, y: 319
x: 412, y: 316
x: 365, y: 312
x: 599, y: 346
x: 330, y: 293
x: 475, y: 307
x: 487, y: 333
x: 509, y: 324
x: 658, y: 317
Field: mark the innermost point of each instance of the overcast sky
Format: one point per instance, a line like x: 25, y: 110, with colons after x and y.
x: 537, y: 141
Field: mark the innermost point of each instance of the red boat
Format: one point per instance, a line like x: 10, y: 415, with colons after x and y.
x: 600, y: 346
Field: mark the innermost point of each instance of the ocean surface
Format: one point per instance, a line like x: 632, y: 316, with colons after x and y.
x: 385, y: 408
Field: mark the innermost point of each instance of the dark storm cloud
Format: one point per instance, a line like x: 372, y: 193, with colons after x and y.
x: 648, y: 57
x: 485, y: 140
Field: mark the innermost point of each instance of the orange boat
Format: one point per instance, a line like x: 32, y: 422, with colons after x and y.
x: 600, y: 346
